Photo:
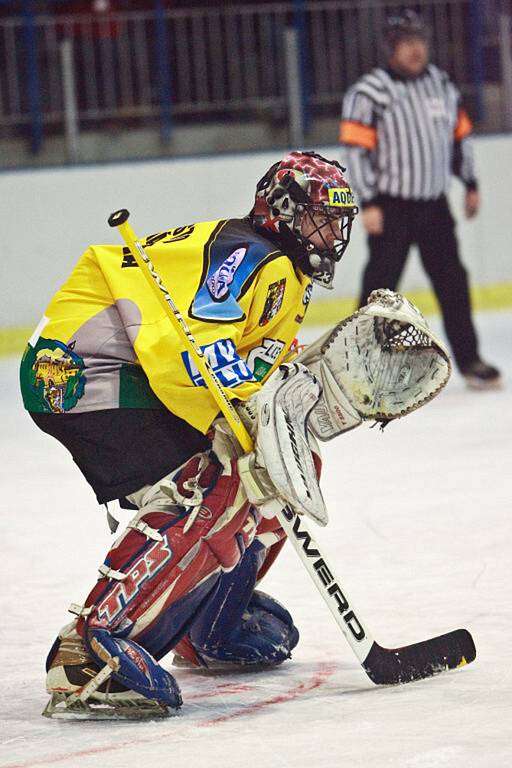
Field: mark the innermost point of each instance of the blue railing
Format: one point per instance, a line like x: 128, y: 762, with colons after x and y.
x: 162, y: 65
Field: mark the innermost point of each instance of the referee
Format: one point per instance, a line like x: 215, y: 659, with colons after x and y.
x: 404, y: 134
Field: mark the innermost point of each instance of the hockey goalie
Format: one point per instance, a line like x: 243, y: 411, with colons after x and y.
x: 106, y: 375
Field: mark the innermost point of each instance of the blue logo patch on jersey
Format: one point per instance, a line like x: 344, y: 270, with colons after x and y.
x: 227, y: 365
x: 218, y: 284
x: 231, y: 265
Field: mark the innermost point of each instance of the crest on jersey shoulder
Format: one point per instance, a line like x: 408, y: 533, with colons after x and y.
x: 273, y: 302
x: 232, y: 258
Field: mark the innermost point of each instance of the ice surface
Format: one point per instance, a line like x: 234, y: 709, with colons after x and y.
x: 420, y: 536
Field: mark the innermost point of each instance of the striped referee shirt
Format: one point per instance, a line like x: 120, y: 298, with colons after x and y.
x: 405, y: 137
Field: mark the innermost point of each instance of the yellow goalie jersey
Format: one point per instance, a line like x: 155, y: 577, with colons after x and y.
x: 105, y: 342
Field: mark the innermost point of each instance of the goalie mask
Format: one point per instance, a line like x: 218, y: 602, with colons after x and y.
x: 304, y: 203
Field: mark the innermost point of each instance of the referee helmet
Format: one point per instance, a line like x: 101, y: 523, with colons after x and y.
x: 404, y: 25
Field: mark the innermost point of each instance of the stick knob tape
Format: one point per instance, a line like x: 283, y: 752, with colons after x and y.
x: 118, y: 217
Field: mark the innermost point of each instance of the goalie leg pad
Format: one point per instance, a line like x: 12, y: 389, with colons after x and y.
x: 158, y: 574
x: 239, y: 625
x: 272, y: 537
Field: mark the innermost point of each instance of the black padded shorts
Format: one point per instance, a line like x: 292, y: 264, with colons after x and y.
x: 121, y: 449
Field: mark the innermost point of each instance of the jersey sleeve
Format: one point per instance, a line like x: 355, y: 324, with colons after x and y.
x: 277, y: 308
x: 358, y: 136
x: 463, y: 164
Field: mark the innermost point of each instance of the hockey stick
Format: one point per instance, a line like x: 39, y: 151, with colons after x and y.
x: 384, y: 666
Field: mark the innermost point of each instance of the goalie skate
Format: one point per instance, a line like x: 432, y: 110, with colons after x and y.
x: 82, y: 691
x: 106, y: 707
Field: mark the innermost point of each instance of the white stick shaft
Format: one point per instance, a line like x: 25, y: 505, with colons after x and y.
x: 333, y: 594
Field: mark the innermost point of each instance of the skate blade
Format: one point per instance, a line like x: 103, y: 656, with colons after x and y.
x: 58, y: 708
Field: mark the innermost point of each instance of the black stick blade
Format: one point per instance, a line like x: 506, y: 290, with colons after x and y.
x: 390, y: 666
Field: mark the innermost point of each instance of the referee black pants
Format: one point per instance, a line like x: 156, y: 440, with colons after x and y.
x: 430, y: 226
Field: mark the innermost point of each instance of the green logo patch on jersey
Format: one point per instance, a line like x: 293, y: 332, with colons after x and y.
x: 52, y: 377
x: 261, y: 359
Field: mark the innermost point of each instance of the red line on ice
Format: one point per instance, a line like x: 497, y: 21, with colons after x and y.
x: 224, y: 689
x: 319, y: 678
x: 316, y: 681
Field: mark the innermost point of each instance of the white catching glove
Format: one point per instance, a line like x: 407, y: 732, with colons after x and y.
x: 381, y: 363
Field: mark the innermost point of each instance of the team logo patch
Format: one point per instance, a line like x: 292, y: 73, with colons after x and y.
x: 273, y: 302
x: 306, y: 298
x: 341, y: 197
x: 56, y: 375
x: 227, y: 365
x: 261, y: 359
x: 218, y: 284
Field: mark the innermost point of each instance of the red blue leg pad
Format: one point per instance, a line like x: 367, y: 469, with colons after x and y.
x: 241, y: 625
x: 161, y: 574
